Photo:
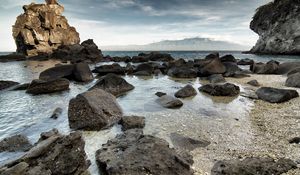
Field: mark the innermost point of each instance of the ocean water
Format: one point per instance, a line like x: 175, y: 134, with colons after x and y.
x: 21, y: 113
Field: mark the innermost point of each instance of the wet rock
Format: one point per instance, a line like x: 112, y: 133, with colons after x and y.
x: 295, y: 140
x: 287, y: 67
x: 228, y: 58
x: 21, y: 87
x: 215, y: 66
x: 129, y: 69
x: 251, y: 166
x: 145, y: 67
x: 274, y: 95
x: 7, y: 84
x: 232, y: 69
x: 253, y: 83
x: 142, y: 73
x: 216, y: 78
x: 48, y: 134
x: 187, y: 91
x: 159, y: 94
x: 45, y: 87
x: 12, y: 57
x: 157, y: 56
x: 125, y: 59
x: 137, y: 154
x: 182, y: 142
x: 82, y: 72
x: 227, y: 89
x: 270, y: 67
x: 177, y: 63
x: 107, y: 69
x: 60, y: 71
x: 169, y: 102
x: 293, y: 80
x: 93, y: 110
x: 42, y: 29
x: 132, y: 122
x: 140, y: 59
x: 15, y: 143
x: 56, y: 113
x: 182, y: 72
x: 113, y: 84
x: 212, y: 55
x: 245, y: 62
x: 294, y: 71
x: 249, y: 94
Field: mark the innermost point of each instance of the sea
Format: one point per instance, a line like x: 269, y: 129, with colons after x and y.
x: 22, y: 113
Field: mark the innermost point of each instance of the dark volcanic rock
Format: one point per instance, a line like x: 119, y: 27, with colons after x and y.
x: 157, y: 56
x: 228, y: 58
x: 125, y: 59
x: 137, y: 154
x: 132, y: 122
x: 93, y: 110
x: 113, y: 84
x: 42, y: 29
x: 295, y: 140
x: 215, y: 66
x: 232, y: 69
x: 293, y: 80
x: 216, y: 78
x: 107, y: 69
x: 227, y: 89
x: 147, y: 67
x: 253, y: 166
x: 276, y: 23
x: 61, y: 71
x: 169, y: 102
x: 187, y: 143
x: 285, y: 68
x: 187, y: 91
x: 246, y: 61
x: 253, y: 83
x: 139, y: 59
x: 15, y: 143
x: 274, y: 95
x: 182, y: 72
x: 82, y: 72
x: 270, y: 67
x: 44, y: 87
x: 212, y: 55
x: 55, y: 155
x: 7, y: 84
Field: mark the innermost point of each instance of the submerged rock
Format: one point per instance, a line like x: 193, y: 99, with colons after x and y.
x: 132, y: 122
x: 113, y: 84
x: 274, y: 95
x: 15, y: 143
x: 253, y: 166
x: 56, y: 113
x: 7, y: 84
x: 187, y: 91
x: 293, y: 80
x: 160, y: 94
x: 45, y: 87
x: 187, y: 143
x: 137, y: 154
x: 227, y: 89
x: 277, y: 24
x: 42, y: 29
x: 93, y: 110
x: 169, y: 102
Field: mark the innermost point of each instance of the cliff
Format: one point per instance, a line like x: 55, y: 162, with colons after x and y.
x: 42, y: 29
x: 277, y: 24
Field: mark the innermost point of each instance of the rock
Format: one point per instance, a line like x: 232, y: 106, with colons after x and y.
x: 253, y: 83
x: 227, y: 89
x: 216, y: 78
x: 157, y: 72
x: 125, y: 59
x: 56, y: 113
x: 157, y: 56
x: 293, y: 80
x: 295, y: 140
x: 129, y: 69
x: 276, y: 23
x: 182, y: 72
x: 274, y: 95
x: 228, y: 58
x: 57, y: 154
x: 187, y: 91
x: 215, y: 66
x: 177, y: 63
x: 249, y: 94
x: 159, y: 94
x: 270, y: 67
x: 21, y: 87
x: 132, y: 122
x: 187, y: 143
x: 42, y: 29
x: 48, y: 134
x: 253, y: 165
x: 139, y: 59
x: 137, y: 154
x: 285, y: 68
x: 61, y: 71
x: 107, y: 69
x: 15, y: 143
x: 145, y: 67
x: 7, y: 84
x: 17, y: 169
x: 294, y: 71
x: 169, y: 102
x: 113, y: 84
x: 142, y: 73
x: 82, y: 72
x: 12, y: 57
x: 212, y: 55
x: 232, y: 69
x: 245, y: 62
x: 93, y: 110
x: 45, y: 87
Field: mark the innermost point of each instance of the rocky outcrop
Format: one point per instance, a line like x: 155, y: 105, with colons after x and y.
x: 277, y: 24
x: 93, y: 110
x: 274, y: 95
x: 42, y: 29
x: 137, y: 154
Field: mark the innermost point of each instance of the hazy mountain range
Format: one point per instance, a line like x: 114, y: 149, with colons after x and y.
x: 188, y: 44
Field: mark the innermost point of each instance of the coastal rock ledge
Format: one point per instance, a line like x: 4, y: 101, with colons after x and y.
x: 42, y: 29
x: 277, y: 24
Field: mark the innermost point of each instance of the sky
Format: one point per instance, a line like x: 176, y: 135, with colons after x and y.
x: 127, y: 22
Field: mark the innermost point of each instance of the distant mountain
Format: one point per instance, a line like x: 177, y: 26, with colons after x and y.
x: 188, y: 44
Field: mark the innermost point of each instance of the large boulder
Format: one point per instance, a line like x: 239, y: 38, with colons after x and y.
x: 245, y: 62
x: 45, y: 87
x: 61, y: 71
x: 107, y: 69
x: 137, y: 154
x: 215, y: 66
x: 53, y: 154
x: 228, y: 58
x: 82, y: 72
x: 227, y: 89
x: 113, y: 84
x: 216, y: 78
x: 293, y: 80
x: 169, y: 102
x: 42, y: 29
x: 274, y: 95
x: 187, y: 91
x: 7, y: 84
x: 231, y: 69
x: 182, y: 72
x: 253, y: 166
x: 287, y: 67
x: 147, y: 67
x: 277, y: 24
x: 270, y: 67
x: 15, y: 143
x: 93, y: 110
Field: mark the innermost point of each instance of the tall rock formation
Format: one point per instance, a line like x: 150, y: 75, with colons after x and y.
x: 277, y: 24
x: 42, y: 29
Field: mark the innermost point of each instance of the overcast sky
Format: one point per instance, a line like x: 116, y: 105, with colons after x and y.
x: 124, y: 22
